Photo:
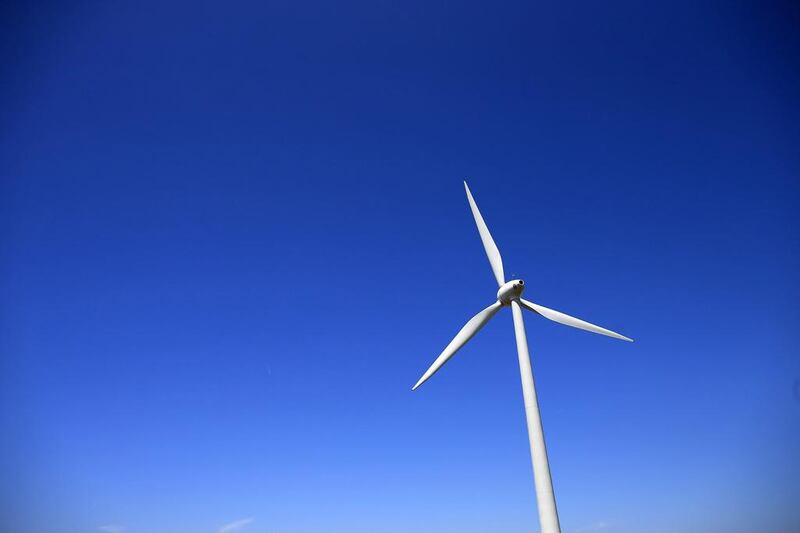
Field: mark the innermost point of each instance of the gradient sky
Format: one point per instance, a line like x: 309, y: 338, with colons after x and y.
x: 233, y: 236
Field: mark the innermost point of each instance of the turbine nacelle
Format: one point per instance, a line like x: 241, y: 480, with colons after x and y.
x: 510, y: 290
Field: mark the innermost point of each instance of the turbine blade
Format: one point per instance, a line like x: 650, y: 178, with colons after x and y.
x: 488, y: 243
x: 467, y: 332
x: 561, y: 318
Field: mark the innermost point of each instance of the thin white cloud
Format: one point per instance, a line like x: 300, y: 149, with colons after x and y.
x: 235, y: 525
x: 600, y: 525
x: 112, y: 528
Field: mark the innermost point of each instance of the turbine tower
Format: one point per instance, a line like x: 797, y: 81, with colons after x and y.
x: 510, y: 295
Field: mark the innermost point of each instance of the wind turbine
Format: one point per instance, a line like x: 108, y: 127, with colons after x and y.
x: 510, y: 295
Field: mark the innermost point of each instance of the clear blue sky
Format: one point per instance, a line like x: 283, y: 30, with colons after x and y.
x: 233, y: 236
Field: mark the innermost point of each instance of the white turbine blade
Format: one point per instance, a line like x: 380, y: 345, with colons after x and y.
x: 561, y: 318
x: 467, y: 332
x: 488, y: 243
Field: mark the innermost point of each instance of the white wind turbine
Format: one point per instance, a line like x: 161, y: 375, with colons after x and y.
x: 510, y: 294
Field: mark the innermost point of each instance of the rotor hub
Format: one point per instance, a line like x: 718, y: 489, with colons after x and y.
x: 510, y: 290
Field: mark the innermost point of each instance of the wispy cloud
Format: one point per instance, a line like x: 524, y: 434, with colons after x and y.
x: 235, y: 525
x: 600, y: 525
x: 112, y: 528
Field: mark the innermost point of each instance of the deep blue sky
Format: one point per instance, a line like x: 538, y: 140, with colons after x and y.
x: 233, y: 236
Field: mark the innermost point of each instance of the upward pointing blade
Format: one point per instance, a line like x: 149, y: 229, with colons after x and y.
x: 561, y: 318
x: 488, y: 243
x: 467, y: 332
